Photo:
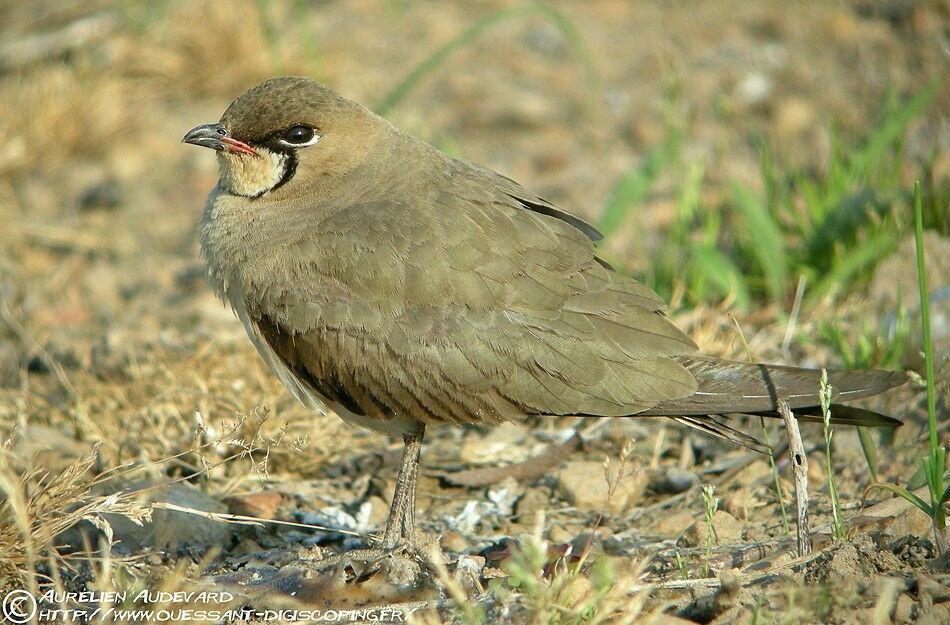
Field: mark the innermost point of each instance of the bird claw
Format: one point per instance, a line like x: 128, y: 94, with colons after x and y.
x: 363, y: 562
x: 401, y: 569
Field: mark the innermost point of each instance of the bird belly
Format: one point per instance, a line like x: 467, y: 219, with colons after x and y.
x: 306, y: 394
x: 392, y: 425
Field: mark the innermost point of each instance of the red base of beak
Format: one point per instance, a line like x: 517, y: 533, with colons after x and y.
x: 233, y: 145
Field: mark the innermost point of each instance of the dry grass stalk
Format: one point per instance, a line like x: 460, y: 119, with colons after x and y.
x: 36, y: 507
x: 800, y: 469
x: 570, y: 595
x: 58, y: 112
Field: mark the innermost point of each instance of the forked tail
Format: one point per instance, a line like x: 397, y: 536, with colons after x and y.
x: 730, y: 387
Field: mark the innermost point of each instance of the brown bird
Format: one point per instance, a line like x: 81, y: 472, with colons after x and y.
x: 401, y: 287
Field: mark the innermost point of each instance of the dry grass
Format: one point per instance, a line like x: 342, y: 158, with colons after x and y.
x: 37, y: 506
x: 55, y: 112
x: 61, y: 113
x: 539, y: 591
x: 205, y: 47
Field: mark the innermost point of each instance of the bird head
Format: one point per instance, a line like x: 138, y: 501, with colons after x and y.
x: 287, y: 132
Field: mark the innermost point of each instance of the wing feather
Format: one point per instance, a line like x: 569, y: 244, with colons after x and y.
x: 481, y: 303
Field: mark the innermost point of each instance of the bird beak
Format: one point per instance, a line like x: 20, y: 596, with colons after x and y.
x: 215, y: 136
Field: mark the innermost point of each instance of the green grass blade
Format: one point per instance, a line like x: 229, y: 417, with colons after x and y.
x: 718, y: 269
x: 890, y: 132
x: 835, y: 338
x: 933, y: 468
x: 870, y: 450
x: 918, y: 479
x: 432, y: 62
x: 906, y: 494
x: 840, y: 224
x: 925, y: 320
x: 688, y: 206
x: 935, y: 463
x: 764, y: 236
x: 631, y: 190
x: 868, y: 253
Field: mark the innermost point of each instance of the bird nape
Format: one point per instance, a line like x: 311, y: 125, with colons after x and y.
x: 400, y: 288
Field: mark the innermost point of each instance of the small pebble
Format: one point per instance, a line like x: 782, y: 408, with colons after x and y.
x: 671, y: 481
x: 453, y: 541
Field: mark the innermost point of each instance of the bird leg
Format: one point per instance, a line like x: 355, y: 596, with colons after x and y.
x: 400, y: 528
x: 399, y: 539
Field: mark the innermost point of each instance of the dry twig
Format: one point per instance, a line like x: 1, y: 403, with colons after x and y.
x: 527, y: 470
x: 800, y: 468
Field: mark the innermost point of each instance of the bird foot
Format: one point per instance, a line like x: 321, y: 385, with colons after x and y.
x: 371, y: 557
x: 396, y: 571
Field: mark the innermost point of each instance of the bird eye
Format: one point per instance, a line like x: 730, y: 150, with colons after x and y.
x: 299, y: 135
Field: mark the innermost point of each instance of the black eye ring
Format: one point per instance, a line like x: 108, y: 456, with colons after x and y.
x: 298, y: 135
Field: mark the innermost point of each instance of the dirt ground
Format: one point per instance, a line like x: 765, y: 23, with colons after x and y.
x: 117, y: 361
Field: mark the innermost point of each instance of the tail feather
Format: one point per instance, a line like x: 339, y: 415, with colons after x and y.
x: 716, y: 426
x: 843, y: 415
x: 732, y: 387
